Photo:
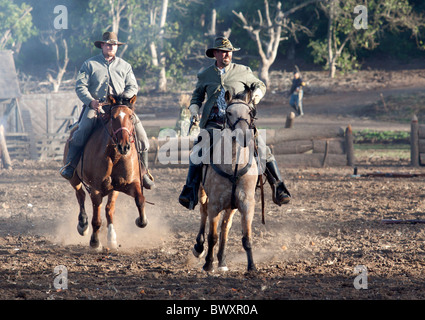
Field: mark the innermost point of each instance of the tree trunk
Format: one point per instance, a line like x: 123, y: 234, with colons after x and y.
x: 264, y: 72
x: 162, y: 79
x: 332, y: 68
x: 331, y: 57
x: 56, y: 82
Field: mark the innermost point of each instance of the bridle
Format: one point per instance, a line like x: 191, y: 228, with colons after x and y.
x: 113, y: 136
x: 123, y: 128
x: 249, y: 122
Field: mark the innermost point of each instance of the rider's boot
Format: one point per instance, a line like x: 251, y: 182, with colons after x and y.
x: 189, y: 195
x: 148, y: 180
x: 71, y: 162
x: 280, y: 193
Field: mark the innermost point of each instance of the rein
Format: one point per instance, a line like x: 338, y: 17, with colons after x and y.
x: 233, y: 178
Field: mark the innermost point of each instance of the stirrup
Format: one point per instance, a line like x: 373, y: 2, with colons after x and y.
x: 148, y: 181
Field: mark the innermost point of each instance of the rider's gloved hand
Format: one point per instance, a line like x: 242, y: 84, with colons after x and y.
x: 95, y: 105
x: 194, y: 110
x: 257, y: 95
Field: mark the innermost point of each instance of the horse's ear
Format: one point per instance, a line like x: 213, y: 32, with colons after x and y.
x: 133, y: 99
x: 228, y: 97
x: 111, y: 99
x: 131, y: 102
x: 248, y: 92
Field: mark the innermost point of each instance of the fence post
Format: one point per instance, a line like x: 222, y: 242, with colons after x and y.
x: 414, y: 142
x: 4, y: 153
x: 349, y: 142
x: 290, y: 120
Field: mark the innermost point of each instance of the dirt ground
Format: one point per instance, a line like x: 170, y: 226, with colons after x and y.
x: 308, y: 249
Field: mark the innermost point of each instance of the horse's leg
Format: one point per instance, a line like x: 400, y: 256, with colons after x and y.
x: 83, y: 223
x: 247, y: 217
x: 212, y: 239
x: 110, y: 210
x: 96, y: 222
x: 141, y: 220
x: 225, y: 227
x: 198, y: 249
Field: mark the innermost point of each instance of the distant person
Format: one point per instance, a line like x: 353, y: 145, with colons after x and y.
x: 296, y: 94
x: 221, y: 76
x: 100, y: 76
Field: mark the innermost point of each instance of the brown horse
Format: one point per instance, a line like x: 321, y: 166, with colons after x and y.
x: 229, y: 186
x: 109, y: 165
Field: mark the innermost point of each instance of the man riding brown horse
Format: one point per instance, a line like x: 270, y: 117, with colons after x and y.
x: 214, y: 81
x: 102, y: 75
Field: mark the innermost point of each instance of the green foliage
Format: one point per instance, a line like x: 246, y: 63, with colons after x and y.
x: 188, y: 21
x: 15, y: 24
x: 343, y: 39
x: 373, y: 136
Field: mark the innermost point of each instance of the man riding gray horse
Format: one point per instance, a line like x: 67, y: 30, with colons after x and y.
x: 102, y: 75
x: 214, y: 81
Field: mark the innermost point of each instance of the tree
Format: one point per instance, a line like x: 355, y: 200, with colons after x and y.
x: 62, y: 60
x: 157, y: 43
x: 15, y: 25
x: 378, y: 16
x: 269, y: 31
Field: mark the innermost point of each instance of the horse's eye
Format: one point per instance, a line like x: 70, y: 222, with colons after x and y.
x: 229, y: 113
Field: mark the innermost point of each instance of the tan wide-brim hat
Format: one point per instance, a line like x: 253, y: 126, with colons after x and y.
x: 220, y: 43
x: 110, y: 38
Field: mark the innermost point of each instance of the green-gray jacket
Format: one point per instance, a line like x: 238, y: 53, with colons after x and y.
x: 210, y: 82
x: 93, y: 79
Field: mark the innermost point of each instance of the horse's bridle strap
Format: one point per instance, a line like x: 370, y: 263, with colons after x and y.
x: 232, y: 126
x: 122, y: 129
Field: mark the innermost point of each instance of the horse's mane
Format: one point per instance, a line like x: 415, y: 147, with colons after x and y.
x: 245, y: 95
x: 120, y: 100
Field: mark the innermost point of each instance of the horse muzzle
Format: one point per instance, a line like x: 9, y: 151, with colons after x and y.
x: 123, y: 148
x: 243, y: 137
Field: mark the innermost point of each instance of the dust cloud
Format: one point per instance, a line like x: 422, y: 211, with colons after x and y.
x: 129, y: 236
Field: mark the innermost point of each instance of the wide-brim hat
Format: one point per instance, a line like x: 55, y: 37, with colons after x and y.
x: 220, y: 43
x: 110, y: 38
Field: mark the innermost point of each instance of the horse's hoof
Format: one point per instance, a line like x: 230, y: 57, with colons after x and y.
x: 208, y: 267
x: 96, y: 247
x: 112, y: 245
x: 252, y: 269
x: 197, y: 254
x: 83, y: 230
x: 112, y: 238
x: 95, y: 243
x: 141, y: 224
x: 223, y: 269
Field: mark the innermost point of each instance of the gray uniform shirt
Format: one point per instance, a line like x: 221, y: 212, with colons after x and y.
x: 96, y: 75
x: 211, y: 82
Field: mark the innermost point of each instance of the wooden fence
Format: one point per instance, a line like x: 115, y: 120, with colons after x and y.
x: 417, y: 143
x: 315, y: 146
